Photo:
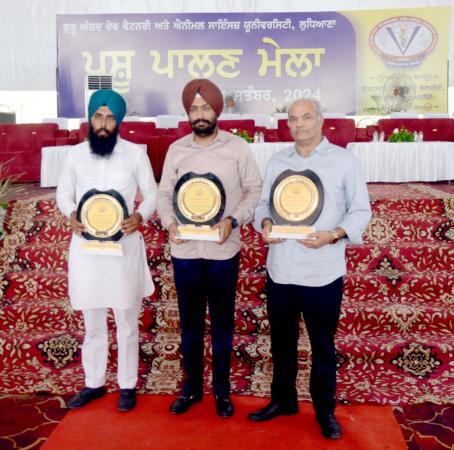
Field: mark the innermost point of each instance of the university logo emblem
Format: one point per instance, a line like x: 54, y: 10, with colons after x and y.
x: 403, y: 40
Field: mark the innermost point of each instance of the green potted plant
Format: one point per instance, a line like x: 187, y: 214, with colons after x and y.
x: 5, y: 188
x: 242, y: 134
x: 401, y: 135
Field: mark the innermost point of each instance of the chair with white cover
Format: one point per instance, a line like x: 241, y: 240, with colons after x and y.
x: 435, y: 115
x: 62, y: 122
x: 404, y: 115
x: 169, y: 120
x: 261, y: 120
x: 276, y: 117
x: 230, y: 116
x: 330, y: 115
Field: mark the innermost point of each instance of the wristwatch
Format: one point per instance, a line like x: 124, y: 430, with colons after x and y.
x: 336, y: 237
x: 233, y: 221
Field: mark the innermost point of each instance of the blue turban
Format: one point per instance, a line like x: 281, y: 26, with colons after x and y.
x: 106, y: 97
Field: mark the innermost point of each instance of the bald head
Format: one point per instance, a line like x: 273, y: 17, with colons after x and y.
x: 308, y: 101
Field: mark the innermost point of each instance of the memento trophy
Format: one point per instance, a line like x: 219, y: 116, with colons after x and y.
x: 296, y: 201
x: 101, y: 213
x: 199, y: 202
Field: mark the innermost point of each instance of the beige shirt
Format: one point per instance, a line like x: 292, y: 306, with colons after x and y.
x: 230, y: 159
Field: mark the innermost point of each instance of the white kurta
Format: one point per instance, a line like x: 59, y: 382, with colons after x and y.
x: 99, y: 281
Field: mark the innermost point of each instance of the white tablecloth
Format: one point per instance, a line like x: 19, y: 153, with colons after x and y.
x: 381, y: 161
x: 263, y: 153
x: 402, y: 162
x: 52, y: 159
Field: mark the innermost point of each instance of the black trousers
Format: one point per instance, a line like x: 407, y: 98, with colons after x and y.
x: 197, y: 282
x: 320, y: 307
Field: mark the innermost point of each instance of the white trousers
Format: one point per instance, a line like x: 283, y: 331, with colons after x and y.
x: 96, y: 346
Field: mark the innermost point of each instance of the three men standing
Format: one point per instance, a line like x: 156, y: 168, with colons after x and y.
x: 207, y: 271
x: 303, y: 276
x: 96, y: 282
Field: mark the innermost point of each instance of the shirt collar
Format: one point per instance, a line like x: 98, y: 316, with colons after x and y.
x: 222, y: 137
x: 320, y: 149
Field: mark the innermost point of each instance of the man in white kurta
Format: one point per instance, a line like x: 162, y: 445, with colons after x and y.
x: 98, y: 282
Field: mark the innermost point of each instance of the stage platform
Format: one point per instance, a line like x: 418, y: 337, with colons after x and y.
x: 395, y: 339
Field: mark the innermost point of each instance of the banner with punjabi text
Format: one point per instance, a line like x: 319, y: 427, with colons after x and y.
x: 264, y: 60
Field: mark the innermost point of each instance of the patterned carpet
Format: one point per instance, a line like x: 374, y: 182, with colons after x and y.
x: 395, y: 340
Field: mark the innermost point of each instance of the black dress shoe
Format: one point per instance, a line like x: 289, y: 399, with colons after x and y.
x: 183, y: 403
x: 271, y: 411
x: 86, y: 395
x: 331, y: 428
x: 127, y: 400
x: 224, y: 407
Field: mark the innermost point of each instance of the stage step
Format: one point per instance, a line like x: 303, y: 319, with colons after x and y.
x: 374, y: 368
x: 402, y: 256
x: 404, y: 201
x: 387, y: 285
x: 382, y: 230
x: 377, y: 316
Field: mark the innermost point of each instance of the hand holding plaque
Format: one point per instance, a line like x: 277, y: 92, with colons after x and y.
x: 101, y: 213
x: 296, y: 201
x: 199, y: 202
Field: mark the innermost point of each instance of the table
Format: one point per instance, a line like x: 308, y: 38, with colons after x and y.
x: 380, y: 161
x: 264, y: 151
x: 52, y: 159
x: 405, y: 161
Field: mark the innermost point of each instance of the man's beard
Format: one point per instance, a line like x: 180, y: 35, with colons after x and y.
x: 104, y: 145
x: 205, y: 131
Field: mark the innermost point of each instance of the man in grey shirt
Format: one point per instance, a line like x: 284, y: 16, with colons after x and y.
x: 306, y: 276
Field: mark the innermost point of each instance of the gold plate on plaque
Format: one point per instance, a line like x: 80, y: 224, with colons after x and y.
x: 199, y: 203
x: 296, y: 198
x: 102, y: 213
x: 199, y: 200
x: 296, y: 201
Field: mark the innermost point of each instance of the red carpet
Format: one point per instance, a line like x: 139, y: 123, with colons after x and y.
x: 151, y: 426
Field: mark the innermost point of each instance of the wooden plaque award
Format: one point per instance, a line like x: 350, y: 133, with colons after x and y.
x: 101, y: 213
x: 296, y: 201
x: 199, y: 202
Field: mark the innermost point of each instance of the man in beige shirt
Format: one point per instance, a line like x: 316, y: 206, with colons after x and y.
x: 207, y: 271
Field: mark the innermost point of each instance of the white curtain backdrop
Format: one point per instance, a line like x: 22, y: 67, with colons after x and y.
x: 28, y: 50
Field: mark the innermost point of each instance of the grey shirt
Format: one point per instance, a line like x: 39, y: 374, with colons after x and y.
x: 346, y: 205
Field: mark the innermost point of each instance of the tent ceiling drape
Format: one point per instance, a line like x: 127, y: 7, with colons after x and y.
x: 28, y: 61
